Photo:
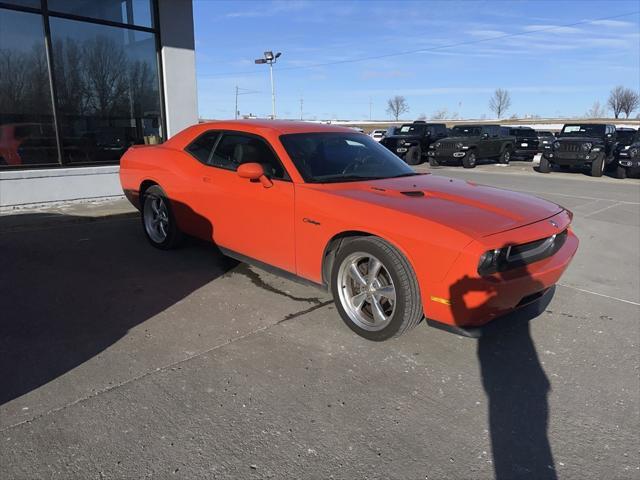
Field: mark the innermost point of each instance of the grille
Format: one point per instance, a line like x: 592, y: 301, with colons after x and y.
x: 447, y: 147
x: 569, y: 147
x: 526, y: 253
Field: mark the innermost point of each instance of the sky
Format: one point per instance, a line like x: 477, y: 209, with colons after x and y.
x: 556, y: 58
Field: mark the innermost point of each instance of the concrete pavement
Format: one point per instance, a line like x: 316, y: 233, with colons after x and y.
x: 121, y: 361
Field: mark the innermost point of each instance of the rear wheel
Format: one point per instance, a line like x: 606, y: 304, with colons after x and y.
x: 375, y: 289
x: 158, y: 221
x: 413, y: 156
x: 620, y: 172
x: 469, y: 160
x: 597, y: 167
x: 505, y: 157
x: 545, y: 166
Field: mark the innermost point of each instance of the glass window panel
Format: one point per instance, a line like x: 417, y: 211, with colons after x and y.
x: 24, y: 3
x: 131, y: 12
x: 26, y: 121
x: 107, y: 88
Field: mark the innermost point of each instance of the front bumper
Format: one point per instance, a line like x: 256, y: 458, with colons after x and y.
x: 449, y: 157
x: 466, y: 300
x: 572, y: 159
x: 525, y: 152
x: 625, y: 160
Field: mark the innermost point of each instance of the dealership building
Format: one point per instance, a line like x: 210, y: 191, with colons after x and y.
x: 81, y: 81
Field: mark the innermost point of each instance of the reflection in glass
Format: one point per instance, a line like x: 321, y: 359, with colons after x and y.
x: 131, y: 12
x: 24, y: 3
x: 26, y: 121
x: 107, y: 88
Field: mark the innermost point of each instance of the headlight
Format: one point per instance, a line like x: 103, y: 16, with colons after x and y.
x: 489, y: 261
x: 459, y: 145
x: 586, y: 146
x: 556, y: 145
x: 627, y: 147
x: 437, y: 145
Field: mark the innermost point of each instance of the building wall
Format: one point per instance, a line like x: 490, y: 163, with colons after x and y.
x: 25, y: 184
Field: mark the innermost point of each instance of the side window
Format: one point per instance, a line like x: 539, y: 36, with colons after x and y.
x: 235, y: 149
x: 202, y: 147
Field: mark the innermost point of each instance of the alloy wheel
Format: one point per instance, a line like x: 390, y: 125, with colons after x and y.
x: 366, y: 291
x: 156, y: 219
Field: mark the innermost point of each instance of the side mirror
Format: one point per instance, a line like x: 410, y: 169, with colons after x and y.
x: 254, y: 172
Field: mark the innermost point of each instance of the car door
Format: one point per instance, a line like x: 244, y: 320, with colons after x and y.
x: 485, y: 143
x: 247, y: 217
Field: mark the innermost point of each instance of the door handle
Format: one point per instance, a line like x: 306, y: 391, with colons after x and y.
x: 207, y: 180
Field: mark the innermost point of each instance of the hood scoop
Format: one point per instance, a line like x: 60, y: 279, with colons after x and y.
x: 413, y: 193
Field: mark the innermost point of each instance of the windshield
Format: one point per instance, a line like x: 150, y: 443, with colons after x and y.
x: 411, y: 129
x: 522, y: 132
x: 588, y: 130
x: 342, y: 157
x: 625, y: 137
x: 466, y: 131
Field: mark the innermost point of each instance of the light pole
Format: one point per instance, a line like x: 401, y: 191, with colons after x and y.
x: 270, y: 59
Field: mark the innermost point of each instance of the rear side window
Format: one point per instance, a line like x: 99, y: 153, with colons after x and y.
x: 202, y: 147
x: 234, y: 149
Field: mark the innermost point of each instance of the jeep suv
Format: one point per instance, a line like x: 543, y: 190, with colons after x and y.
x: 468, y: 143
x: 581, y: 144
x: 628, y: 157
x: 527, y: 142
x: 412, y: 140
x: 545, y: 139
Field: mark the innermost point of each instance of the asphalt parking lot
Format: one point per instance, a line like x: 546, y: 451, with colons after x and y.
x: 121, y: 361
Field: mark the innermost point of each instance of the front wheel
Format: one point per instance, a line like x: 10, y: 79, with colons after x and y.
x: 597, y: 167
x: 469, y: 160
x: 505, y: 157
x: 413, y: 156
x: 158, y: 221
x: 545, y: 166
x: 375, y: 289
x: 620, y: 172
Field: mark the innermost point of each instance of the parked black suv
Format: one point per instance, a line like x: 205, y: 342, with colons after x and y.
x: 628, y: 157
x: 527, y: 143
x: 411, y: 140
x: 582, y: 144
x: 468, y: 143
x: 545, y: 139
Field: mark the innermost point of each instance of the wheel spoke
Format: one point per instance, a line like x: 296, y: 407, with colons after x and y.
x: 378, y: 312
x: 358, y: 300
x: 355, y: 274
x: 374, y: 269
x: 155, y: 205
x: 387, y: 292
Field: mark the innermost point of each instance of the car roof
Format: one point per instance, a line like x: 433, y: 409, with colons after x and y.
x: 257, y: 127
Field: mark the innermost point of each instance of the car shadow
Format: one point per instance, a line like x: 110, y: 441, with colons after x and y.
x: 72, y: 288
x: 514, y: 381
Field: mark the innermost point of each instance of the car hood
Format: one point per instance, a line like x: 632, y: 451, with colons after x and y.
x: 473, y: 209
x: 460, y: 139
x: 580, y: 139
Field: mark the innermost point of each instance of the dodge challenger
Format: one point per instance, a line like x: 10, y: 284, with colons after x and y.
x: 331, y: 206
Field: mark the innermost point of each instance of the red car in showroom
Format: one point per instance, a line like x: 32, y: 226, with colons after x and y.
x: 332, y: 206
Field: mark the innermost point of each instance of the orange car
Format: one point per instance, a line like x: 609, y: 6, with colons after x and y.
x: 334, y: 207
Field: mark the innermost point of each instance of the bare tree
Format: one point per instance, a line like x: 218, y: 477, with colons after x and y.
x: 440, y: 114
x: 596, y: 111
x: 616, y: 100
x: 396, y: 106
x: 500, y: 102
x: 630, y: 101
x: 422, y: 116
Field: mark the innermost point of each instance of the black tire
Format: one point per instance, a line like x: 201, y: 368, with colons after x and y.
x: 620, y: 172
x: 469, y: 160
x: 597, y: 167
x: 407, y: 312
x: 505, y: 157
x: 173, y: 236
x: 545, y: 166
x: 414, y: 155
x: 433, y: 162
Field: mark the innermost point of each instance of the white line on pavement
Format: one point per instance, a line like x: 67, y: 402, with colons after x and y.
x: 599, y: 294
x: 601, y: 210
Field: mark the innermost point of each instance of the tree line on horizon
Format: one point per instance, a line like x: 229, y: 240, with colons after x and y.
x: 621, y: 100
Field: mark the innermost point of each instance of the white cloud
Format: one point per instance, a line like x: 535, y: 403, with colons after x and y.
x: 612, y: 23
x: 552, y: 29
